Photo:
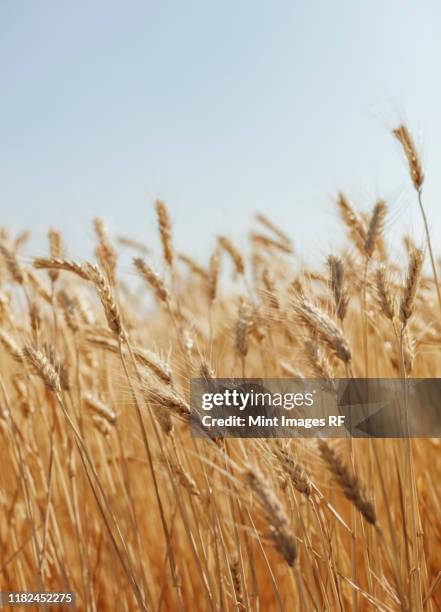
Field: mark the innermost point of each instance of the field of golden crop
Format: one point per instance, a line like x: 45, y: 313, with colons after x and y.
x: 104, y: 492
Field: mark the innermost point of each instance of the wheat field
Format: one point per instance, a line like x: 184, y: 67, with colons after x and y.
x: 103, y: 491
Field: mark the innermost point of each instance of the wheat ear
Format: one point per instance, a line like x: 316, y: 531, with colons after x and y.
x: 349, y: 482
x: 319, y: 323
x: 338, y: 287
x: 152, y: 279
x: 411, y: 286
x: 165, y: 231
x: 275, y: 514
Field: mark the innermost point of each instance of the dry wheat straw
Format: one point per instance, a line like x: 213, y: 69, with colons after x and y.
x: 215, y: 562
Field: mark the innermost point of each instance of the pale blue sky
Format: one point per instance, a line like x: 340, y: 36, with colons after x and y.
x: 220, y: 108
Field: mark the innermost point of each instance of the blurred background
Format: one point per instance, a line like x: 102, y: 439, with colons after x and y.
x: 219, y: 108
